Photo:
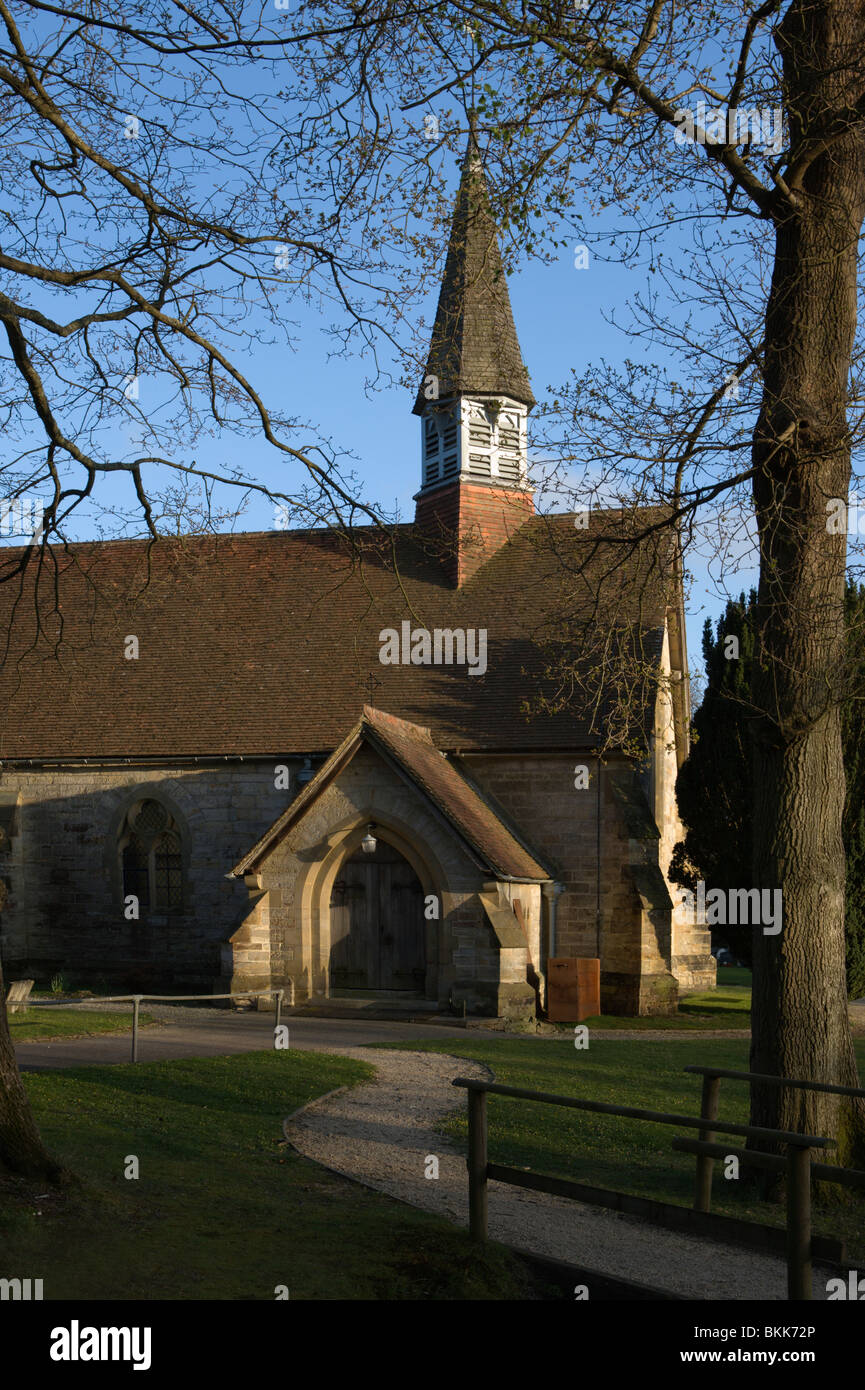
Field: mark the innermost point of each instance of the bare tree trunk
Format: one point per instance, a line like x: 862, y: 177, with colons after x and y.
x: 802, y: 456
x: 21, y: 1149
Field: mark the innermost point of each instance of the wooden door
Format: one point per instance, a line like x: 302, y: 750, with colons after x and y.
x: 350, y: 928
x: 377, y: 926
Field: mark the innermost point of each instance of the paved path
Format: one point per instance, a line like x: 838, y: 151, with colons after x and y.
x: 383, y: 1133
x: 218, y: 1032
x: 208, y: 1032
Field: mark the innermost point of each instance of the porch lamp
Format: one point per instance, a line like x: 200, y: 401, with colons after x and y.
x: 369, y: 842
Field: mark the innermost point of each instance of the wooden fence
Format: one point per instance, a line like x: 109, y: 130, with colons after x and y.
x: 712, y: 1077
x: 797, y: 1163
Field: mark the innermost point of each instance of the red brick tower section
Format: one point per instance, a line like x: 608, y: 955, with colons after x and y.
x: 465, y: 523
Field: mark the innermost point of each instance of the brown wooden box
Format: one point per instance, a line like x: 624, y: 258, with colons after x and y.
x: 573, y: 988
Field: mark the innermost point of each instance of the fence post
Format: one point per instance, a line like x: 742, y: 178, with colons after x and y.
x: 136, y: 1000
x: 705, y: 1164
x: 477, y: 1164
x: 278, y: 1008
x: 798, y: 1223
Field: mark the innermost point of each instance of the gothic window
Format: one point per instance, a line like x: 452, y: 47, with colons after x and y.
x: 151, y: 858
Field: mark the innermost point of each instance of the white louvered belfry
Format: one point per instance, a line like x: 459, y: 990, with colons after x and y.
x: 475, y: 439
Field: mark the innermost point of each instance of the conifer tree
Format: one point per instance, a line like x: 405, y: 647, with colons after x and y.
x: 714, y: 788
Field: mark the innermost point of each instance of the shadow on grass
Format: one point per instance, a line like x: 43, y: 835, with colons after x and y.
x: 220, y: 1209
x: 264, y: 1086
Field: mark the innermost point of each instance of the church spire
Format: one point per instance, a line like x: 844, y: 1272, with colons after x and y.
x: 474, y: 349
x: 475, y: 397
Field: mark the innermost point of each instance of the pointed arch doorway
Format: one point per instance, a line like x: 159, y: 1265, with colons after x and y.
x: 377, y: 926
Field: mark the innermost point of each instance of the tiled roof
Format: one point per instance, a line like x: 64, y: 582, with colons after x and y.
x: 474, y: 346
x: 483, y: 829
x: 263, y: 644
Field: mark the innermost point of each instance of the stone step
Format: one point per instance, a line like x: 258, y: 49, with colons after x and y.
x: 405, y: 1010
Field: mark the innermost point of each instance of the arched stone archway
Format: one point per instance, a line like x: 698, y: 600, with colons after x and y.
x: 377, y: 936
x: 318, y: 896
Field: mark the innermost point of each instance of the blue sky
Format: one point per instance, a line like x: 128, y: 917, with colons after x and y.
x: 561, y: 317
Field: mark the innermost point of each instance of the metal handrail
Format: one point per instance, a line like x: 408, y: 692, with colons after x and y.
x: 137, y: 999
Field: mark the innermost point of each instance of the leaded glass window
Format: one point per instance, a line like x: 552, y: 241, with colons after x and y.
x: 151, y: 857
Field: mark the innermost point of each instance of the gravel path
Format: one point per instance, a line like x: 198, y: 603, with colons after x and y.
x: 381, y: 1133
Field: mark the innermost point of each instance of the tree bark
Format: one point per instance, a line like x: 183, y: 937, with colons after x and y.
x: 801, y: 454
x: 21, y: 1149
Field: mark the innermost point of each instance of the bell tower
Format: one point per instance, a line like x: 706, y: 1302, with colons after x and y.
x: 475, y: 397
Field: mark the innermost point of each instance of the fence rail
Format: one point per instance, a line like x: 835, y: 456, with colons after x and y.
x: 797, y: 1164
x: 776, y: 1080
x: 712, y: 1078
x: 136, y: 1000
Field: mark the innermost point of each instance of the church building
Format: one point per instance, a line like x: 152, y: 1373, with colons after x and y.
x: 304, y: 759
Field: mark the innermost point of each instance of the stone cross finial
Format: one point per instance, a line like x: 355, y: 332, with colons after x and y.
x: 372, y: 684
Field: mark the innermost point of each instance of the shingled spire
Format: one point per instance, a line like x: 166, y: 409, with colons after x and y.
x: 475, y: 396
x: 474, y: 347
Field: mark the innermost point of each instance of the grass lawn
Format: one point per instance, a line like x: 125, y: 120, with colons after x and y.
x: 607, y: 1151
x: 220, y: 1210
x: 36, y: 1025
x: 734, y: 975
x: 728, y: 1006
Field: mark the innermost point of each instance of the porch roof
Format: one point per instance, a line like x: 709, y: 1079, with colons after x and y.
x: 492, y: 843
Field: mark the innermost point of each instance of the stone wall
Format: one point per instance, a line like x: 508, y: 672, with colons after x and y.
x: 649, y: 950
x: 65, y: 909
x: 538, y: 796
x: 540, y: 792
x: 464, y: 963
x: 692, y: 961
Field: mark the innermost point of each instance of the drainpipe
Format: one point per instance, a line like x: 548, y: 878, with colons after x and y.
x: 598, y: 869
x: 552, y: 892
